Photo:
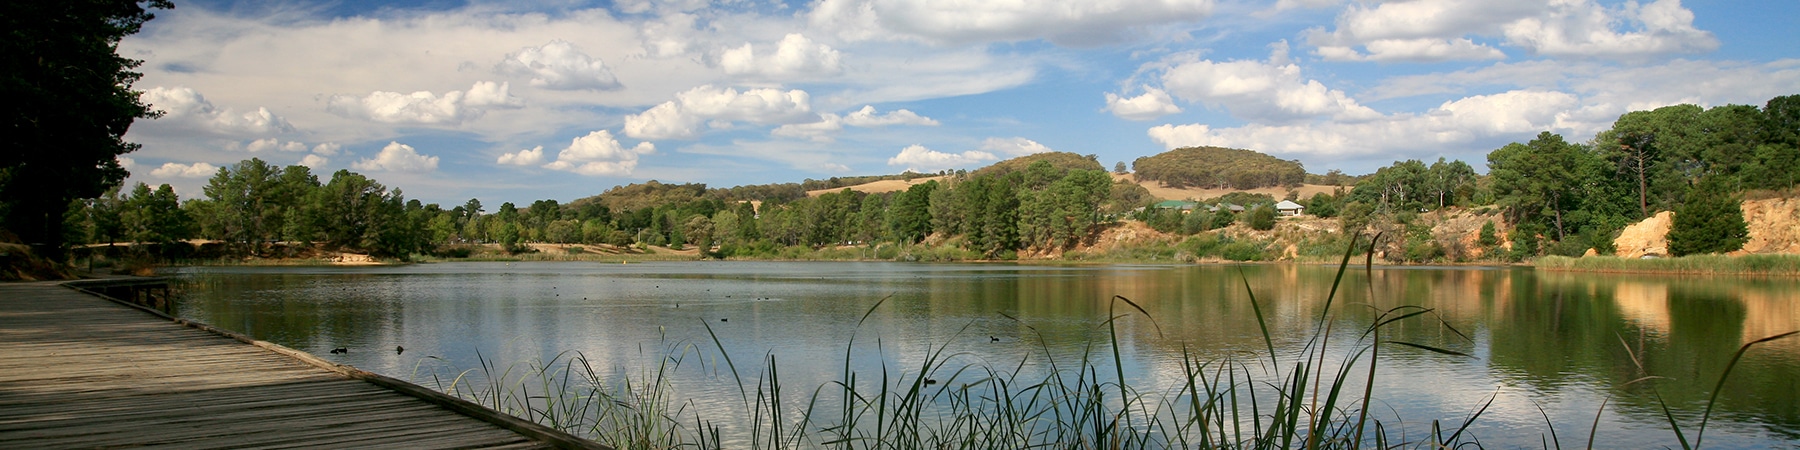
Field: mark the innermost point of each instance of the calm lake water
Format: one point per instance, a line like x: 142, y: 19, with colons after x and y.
x: 1564, y: 342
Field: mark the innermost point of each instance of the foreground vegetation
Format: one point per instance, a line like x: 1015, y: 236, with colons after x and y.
x: 1318, y: 395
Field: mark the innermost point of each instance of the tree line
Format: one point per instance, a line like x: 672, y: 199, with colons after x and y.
x: 252, y: 206
x: 72, y: 93
x: 1565, y: 198
x: 1559, y: 198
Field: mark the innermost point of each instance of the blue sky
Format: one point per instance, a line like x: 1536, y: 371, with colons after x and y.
x: 520, y: 101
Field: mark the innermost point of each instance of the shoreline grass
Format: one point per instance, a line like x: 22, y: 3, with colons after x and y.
x: 1747, y: 265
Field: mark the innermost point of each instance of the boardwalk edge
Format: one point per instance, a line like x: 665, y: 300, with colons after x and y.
x: 527, y: 428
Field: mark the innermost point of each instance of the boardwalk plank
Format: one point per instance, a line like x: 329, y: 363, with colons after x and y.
x: 77, y: 371
x: 150, y: 404
x: 348, y: 433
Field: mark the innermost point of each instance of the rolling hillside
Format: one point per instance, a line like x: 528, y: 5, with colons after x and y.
x: 1218, y: 167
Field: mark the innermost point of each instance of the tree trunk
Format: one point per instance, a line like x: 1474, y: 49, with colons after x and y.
x: 1556, y: 207
x: 1643, y: 190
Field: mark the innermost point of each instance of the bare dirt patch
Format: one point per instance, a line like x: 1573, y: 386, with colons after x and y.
x: 877, y: 187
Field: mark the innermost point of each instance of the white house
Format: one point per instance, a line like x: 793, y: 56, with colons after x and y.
x: 1288, y: 208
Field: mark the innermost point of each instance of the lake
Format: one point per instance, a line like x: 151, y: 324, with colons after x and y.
x: 1560, y: 341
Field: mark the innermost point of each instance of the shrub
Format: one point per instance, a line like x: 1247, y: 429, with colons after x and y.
x: 1328, y: 246
x: 1196, y: 222
x: 1166, y: 220
x: 1223, y: 218
x: 1355, y: 216
x: 1245, y: 251
x: 1422, y: 250
x: 1262, y: 218
x: 1203, y: 245
x: 1601, y: 239
x: 1322, y: 205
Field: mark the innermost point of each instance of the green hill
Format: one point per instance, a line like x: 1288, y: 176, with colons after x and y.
x: 1060, y: 160
x: 647, y: 195
x: 1218, y: 167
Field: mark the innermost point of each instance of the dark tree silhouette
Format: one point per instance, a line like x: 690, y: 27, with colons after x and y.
x: 69, y: 102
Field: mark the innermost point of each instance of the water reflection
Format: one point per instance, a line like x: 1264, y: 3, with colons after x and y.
x: 1563, y: 342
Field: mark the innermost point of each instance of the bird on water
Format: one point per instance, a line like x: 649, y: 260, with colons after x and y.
x: 399, y: 349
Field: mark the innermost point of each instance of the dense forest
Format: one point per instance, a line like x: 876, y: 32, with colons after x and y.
x: 1558, y: 197
x: 1215, y: 167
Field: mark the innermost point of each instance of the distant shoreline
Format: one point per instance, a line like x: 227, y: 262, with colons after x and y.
x: 1777, y: 265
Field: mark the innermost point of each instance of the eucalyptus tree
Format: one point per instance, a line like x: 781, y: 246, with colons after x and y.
x: 1449, y: 182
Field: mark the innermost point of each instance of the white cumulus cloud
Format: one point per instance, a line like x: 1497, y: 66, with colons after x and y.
x: 327, y: 148
x: 185, y: 106
x: 1153, y: 103
x: 176, y: 170
x: 398, y: 157
x: 821, y: 130
x: 1074, y: 22
x: 1260, y: 91
x: 424, y: 107
x: 559, y: 65
x: 918, y: 158
x: 681, y: 118
x: 867, y: 117
x: 793, y: 55
x: 598, y: 153
x: 527, y: 157
x: 1442, y: 30
x: 1016, y: 146
x: 1462, y: 121
x: 314, y: 161
x: 273, y: 144
x: 1585, y: 28
x: 1420, y: 50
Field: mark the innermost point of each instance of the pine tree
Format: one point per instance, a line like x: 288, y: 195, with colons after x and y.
x: 1710, y: 221
x: 69, y: 104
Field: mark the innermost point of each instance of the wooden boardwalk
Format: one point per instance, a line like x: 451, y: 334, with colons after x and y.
x: 79, y: 371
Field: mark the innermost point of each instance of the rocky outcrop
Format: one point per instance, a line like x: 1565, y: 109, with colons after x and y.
x: 1774, y: 226
x: 1646, y: 238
